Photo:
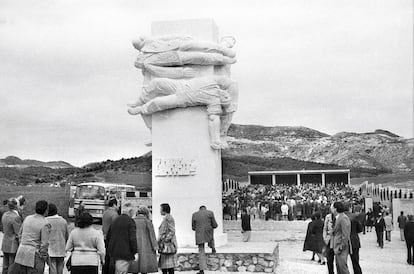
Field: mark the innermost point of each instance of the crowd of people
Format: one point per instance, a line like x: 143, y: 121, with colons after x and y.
x: 126, y: 243
x: 287, y: 202
x: 337, y: 217
x: 43, y: 238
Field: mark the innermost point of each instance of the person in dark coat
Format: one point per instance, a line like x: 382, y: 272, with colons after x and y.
x: 409, y: 239
x: 122, y: 242
x: 361, y: 217
x: 147, y: 242
x: 245, y: 223
x: 402, y: 220
x: 314, y: 237
x: 356, y: 228
x: 204, y: 223
x: 369, y: 220
x: 379, y: 229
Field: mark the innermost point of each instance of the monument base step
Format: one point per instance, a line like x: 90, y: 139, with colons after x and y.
x: 188, y: 242
x: 234, y: 257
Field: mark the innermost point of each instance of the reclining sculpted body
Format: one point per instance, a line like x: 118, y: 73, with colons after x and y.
x: 218, y: 93
x: 177, y: 60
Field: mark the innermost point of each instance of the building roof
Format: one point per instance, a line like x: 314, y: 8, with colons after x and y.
x: 104, y: 184
x: 286, y: 172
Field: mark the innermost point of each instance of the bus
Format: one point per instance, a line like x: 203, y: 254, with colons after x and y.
x: 96, y: 195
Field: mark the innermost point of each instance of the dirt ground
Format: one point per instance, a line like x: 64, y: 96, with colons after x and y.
x: 290, y: 236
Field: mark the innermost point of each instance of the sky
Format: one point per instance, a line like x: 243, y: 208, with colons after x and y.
x: 67, y: 73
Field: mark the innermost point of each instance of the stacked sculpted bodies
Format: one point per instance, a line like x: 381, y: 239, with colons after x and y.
x: 170, y: 65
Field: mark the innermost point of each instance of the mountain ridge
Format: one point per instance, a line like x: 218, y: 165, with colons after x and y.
x: 251, y: 148
x: 14, y: 161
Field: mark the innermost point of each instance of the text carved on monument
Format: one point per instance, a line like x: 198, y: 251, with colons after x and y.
x: 174, y: 167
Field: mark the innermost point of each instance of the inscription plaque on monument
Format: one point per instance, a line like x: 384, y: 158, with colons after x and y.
x: 174, y: 167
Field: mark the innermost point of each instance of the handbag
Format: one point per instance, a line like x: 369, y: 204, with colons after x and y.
x: 167, y: 248
x: 134, y: 266
x: 69, y: 262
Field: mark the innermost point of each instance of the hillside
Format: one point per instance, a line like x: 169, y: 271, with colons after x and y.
x: 16, y: 162
x: 381, y: 150
x: 251, y: 148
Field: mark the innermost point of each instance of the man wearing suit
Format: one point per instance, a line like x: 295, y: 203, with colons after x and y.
x: 409, y: 239
x: 204, y: 223
x: 11, y: 222
x: 328, y: 239
x: 33, y: 249
x: 379, y: 229
x: 402, y: 220
x: 356, y: 227
x: 388, y: 226
x: 108, y: 218
x: 341, y: 239
x: 122, y: 242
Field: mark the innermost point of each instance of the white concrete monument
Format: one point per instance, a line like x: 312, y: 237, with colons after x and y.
x: 187, y: 101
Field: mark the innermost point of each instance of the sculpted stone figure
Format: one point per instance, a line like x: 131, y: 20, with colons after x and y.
x: 173, y: 56
x: 218, y: 93
x: 184, y: 43
x: 180, y: 58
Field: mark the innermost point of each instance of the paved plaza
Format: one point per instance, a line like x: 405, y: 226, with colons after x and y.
x: 290, y: 236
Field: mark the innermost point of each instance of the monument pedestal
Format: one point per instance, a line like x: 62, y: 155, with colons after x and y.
x: 186, y: 171
x: 183, y: 134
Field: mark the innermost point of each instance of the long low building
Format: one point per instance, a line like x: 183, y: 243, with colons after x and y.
x: 298, y: 177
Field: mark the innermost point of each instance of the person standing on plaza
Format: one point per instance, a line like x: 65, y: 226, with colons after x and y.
x: 3, y: 210
x: 146, y: 241
x: 388, y: 226
x: 167, y: 241
x: 87, y: 247
x: 11, y: 223
x: 379, y: 230
x: 342, y: 233
x: 402, y: 220
x: 79, y: 211
x: 356, y: 227
x: 409, y: 239
x: 34, y: 241
x: 328, y: 228
x: 204, y: 223
x: 122, y: 242
x: 245, y: 224
x: 370, y: 220
x: 285, y: 210
x: 57, y: 240
x: 109, y: 216
x: 314, y: 237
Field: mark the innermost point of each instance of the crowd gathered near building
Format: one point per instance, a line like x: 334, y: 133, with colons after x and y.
x: 286, y: 202
x: 337, y: 216
x: 127, y: 242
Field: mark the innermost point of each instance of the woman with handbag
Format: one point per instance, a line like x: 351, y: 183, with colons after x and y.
x: 147, y: 244
x: 87, y: 247
x: 167, y: 242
